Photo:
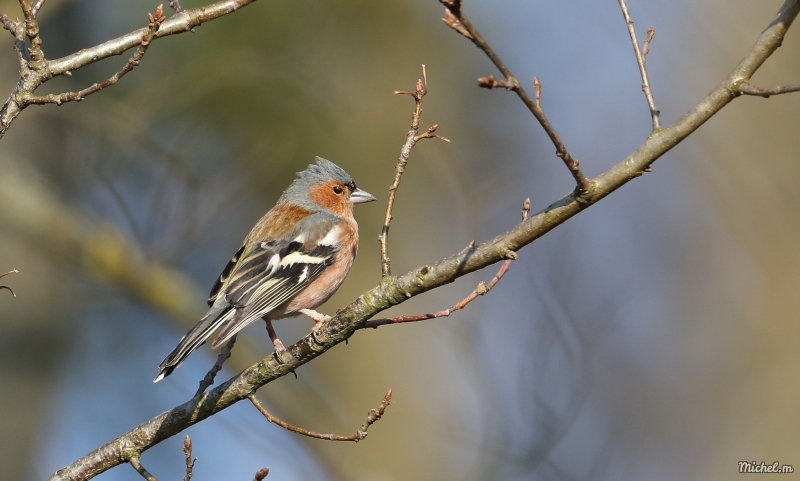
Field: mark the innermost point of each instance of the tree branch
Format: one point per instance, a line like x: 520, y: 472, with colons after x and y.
x: 156, y: 19
x: 187, y: 454
x: 137, y: 465
x: 35, y: 73
x: 641, y: 61
x: 412, y: 138
x: 394, y: 290
x: 12, y: 271
x: 36, y: 6
x: 456, y: 19
x: 479, y: 291
x: 745, y: 88
x: 373, y: 416
x: 224, y: 354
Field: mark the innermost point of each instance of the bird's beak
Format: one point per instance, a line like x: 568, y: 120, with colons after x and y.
x: 360, y: 196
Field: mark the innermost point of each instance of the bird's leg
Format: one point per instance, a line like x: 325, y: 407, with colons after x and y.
x: 316, y: 317
x: 280, y: 351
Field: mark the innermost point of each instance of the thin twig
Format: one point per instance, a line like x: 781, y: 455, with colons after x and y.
x: 651, y: 32
x: 32, y: 31
x: 224, y: 354
x: 745, y: 88
x: 479, y: 291
x: 641, y: 60
x: 261, y: 474
x: 456, y: 19
x: 36, y: 6
x: 10, y: 25
x: 156, y: 19
x: 187, y: 453
x: 372, y: 416
x: 12, y: 271
x: 134, y: 460
x: 175, y: 5
x: 412, y: 138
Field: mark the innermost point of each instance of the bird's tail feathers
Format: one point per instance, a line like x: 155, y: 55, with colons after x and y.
x: 215, y: 317
x: 233, y: 325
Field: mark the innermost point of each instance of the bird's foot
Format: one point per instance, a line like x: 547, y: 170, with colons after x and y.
x: 317, y: 317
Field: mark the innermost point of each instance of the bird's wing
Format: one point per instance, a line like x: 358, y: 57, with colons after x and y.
x: 272, y: 272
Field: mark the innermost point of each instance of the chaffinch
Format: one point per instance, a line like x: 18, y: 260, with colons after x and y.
x: 292, y: 261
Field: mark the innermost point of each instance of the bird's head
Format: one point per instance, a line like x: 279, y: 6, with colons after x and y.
x: 325, y: 185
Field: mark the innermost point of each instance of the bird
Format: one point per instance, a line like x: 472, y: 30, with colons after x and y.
x: 292, y: 261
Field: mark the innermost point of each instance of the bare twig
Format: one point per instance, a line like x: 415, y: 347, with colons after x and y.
x: 412, y: 138
x: 32, y: 31
x: 10, y: 25
x: 261, y: 474
x: 187, y: 453
x: 372, y: 416
x: 156, y: 19
x: 36, y: 6
x: 137, y: 465
x: 479, y: 291
x: 745, y: 88
x: 651, y: 32
x: 12, y: 271
x: 34, y: 74
x: 640, y: 59
x: 175, y: 5
x: 456, y: 19
x: 224, y: 354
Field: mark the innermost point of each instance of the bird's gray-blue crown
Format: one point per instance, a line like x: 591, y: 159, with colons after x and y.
x: 322, y: 171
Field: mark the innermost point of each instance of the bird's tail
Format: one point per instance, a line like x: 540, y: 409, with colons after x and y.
x: 215, y: 317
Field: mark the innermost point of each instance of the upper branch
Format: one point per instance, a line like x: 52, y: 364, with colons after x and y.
x: 39, y: 70
x: 181, y: 22
x: 641, y: 56
x: 456, y: 19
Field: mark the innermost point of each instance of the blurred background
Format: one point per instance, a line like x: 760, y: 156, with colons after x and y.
x: 655, y: 336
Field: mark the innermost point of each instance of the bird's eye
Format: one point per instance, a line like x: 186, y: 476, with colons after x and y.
x: 337, y: 190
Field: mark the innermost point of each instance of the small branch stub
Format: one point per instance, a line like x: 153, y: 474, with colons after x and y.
x: 137, y: 465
